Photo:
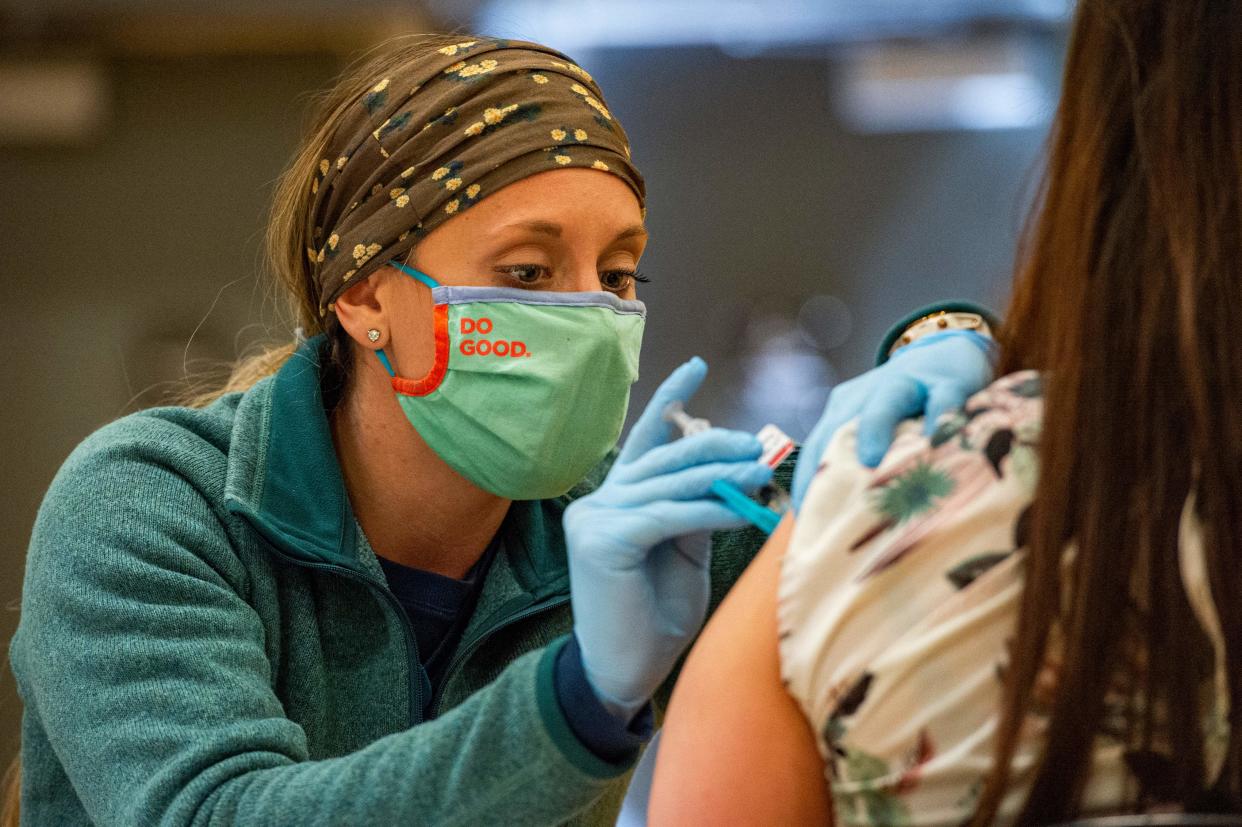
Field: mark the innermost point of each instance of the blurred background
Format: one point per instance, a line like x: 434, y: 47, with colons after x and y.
x: 816, y: 170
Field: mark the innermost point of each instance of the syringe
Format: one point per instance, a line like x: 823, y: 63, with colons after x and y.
x: 773, y: 500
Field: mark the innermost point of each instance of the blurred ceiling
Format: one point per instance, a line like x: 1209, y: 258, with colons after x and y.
x: 755, y: 24
x: 188, y: 27
x: 904, y: 65
x: 193, y: 25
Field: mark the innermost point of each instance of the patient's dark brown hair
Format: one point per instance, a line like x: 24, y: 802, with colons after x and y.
x: 1129, y: 296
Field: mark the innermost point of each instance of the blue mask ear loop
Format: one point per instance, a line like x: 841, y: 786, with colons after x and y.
x: 418, y: 274
x: 425, y: 279
x: 383, y: 357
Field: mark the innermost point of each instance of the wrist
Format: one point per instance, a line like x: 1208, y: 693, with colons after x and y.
x: 938, y: 323
x: 610, y: 734
x: 622, y: 709
x: 985, y: 343
x: 552, y: 712
x: 935, y: 320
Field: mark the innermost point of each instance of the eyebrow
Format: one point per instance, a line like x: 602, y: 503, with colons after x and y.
x: 552, y: 229
x: 632, y: 231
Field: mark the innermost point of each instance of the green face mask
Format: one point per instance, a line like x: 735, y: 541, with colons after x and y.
x: 529, y: 388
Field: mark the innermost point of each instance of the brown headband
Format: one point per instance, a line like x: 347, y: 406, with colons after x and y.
x: 425, y: 144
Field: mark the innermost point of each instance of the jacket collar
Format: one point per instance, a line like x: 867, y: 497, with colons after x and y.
x: 284, y: 479
x: 283, y: 473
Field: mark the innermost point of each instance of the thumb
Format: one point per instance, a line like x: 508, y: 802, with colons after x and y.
x: 894, y: 400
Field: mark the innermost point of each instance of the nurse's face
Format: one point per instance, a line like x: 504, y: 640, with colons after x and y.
x: 564, y: 230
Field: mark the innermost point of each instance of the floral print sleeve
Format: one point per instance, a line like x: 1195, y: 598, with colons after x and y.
x: 897, y: 595
x: 898, y: 598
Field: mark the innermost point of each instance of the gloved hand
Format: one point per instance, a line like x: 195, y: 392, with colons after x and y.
x: 929, y: 376
x: 639, y: 546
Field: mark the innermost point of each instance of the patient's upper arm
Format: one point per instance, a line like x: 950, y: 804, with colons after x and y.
x: 736, y: 749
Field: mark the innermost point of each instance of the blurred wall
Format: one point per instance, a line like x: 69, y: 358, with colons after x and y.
x: 119, y: 252
x: 758, y: 198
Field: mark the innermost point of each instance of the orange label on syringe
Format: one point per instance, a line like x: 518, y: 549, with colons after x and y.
x: 776, y: 445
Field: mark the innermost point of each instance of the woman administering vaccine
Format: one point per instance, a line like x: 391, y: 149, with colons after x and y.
x: 396, y: 574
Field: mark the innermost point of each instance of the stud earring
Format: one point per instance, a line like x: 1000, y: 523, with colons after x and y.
x: 373, y: 335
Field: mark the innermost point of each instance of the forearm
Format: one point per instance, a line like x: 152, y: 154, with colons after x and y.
x: 493, y: 759
x: 149, y: 677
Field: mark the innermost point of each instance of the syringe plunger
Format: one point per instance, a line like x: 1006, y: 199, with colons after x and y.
x: 675, y: 412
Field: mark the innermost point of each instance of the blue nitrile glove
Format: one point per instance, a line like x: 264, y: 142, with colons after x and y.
x: 639, y: 546
x: 929, y: 376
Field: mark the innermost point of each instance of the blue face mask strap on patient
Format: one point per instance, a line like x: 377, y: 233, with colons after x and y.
x: 425, y: 279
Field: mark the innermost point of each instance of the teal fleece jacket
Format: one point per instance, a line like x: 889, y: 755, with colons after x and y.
x: 207, y: 638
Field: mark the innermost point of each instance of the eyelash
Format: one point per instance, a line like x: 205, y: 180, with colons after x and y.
x: 633, y: 275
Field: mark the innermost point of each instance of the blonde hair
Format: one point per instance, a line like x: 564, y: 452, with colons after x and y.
x: 10, y: 810
x: 286, y: 238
